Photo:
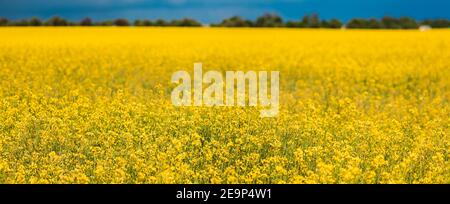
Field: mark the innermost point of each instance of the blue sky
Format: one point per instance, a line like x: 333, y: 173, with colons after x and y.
x: 209, y: 11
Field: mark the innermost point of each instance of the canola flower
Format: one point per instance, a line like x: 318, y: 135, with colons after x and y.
x: 92, y: 105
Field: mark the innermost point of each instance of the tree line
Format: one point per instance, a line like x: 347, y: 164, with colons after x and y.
x: 58, y: 21
x: 266, y: 20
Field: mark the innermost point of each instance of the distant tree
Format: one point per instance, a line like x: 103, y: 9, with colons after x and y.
x: 105, y: 23
x: 22, y: 22
x: 235, y: 21
x: 427, y: 22
x: 250, y: 23
x: 441, y: 23
x: 324, y: 24
x: 269, y: 20
x: 374, y: 23
x: 86, y: 22
x: 334, y: 23
x: 121, y: 22
x: 436, y: 23
x: 174, y: 22
x: 34, y: 21
x: 408, y: 23
x: 266, y: 20
x: 390, y: 23
x: 358, y: 23
x: 386, y: 22
x: 305, y: 21
x: 311, y: 21
x: 293, y: 24
x: 137, y: 22
x: 4, y: 21
x: 161, y: 22
x: 185, y: 22
x: 314, y: 21
x: 147, y: 22
x: 144, y: 22
x: 56, y: 21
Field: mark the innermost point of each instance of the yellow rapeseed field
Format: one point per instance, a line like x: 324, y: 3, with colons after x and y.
x: 92, y: 105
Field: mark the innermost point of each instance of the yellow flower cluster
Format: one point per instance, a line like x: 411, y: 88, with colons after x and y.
x: 92, y: 105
